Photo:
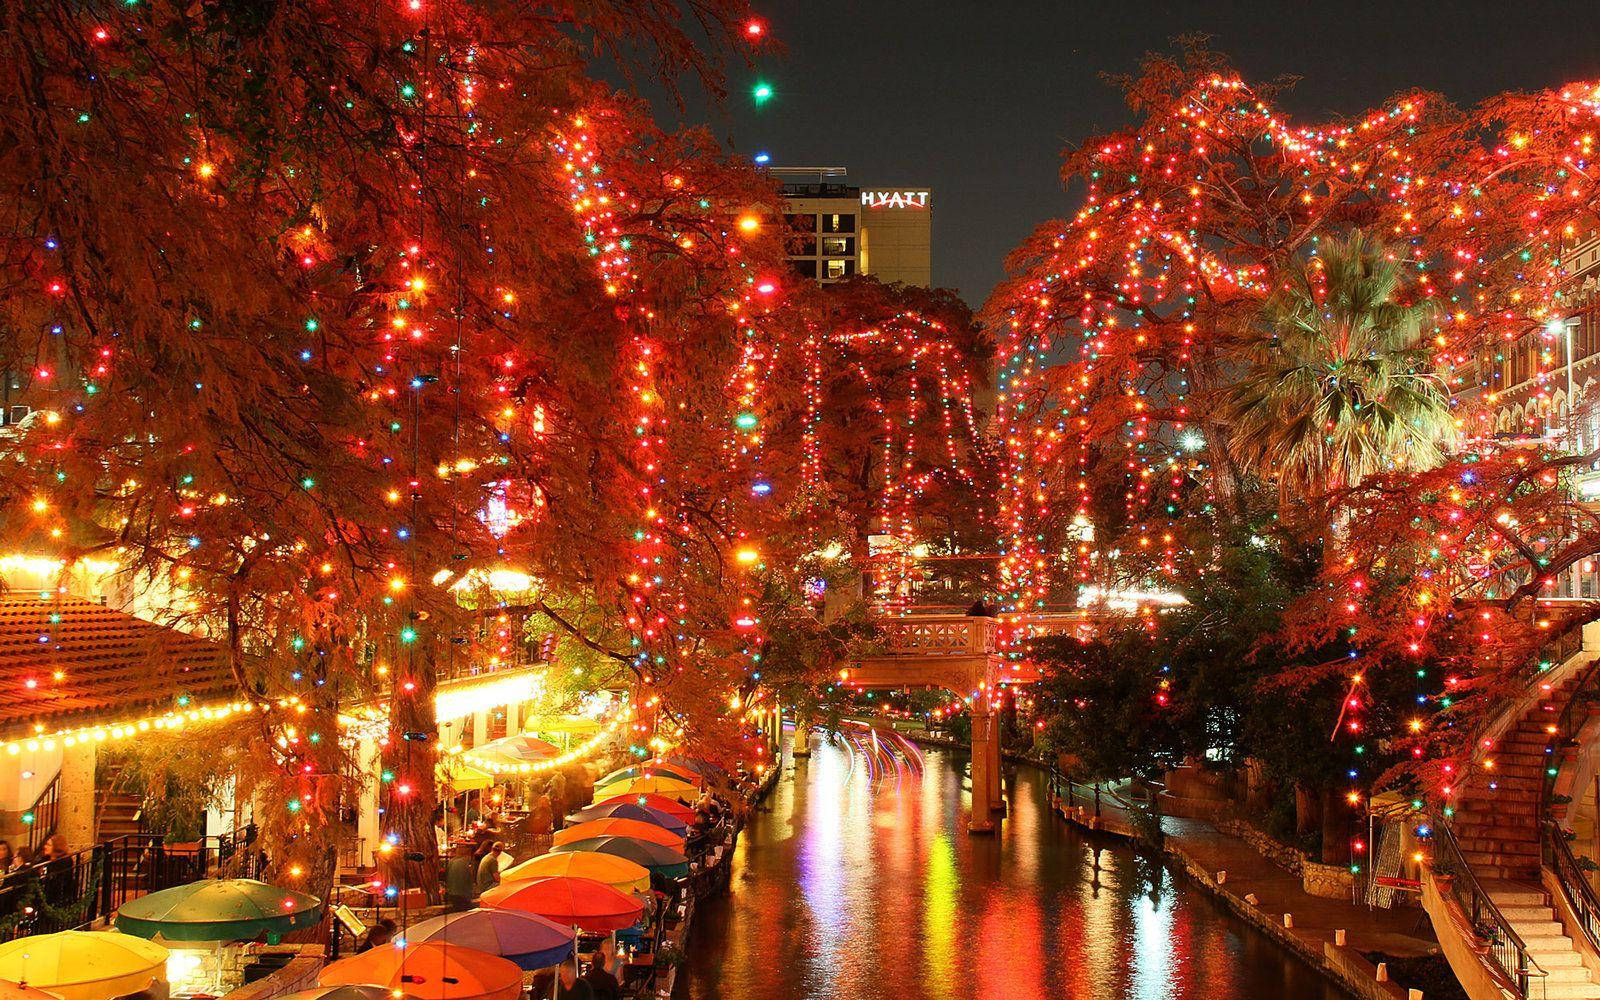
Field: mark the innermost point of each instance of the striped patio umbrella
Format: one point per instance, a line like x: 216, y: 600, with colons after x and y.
x: 614, y: 827
x: 232, y: 909
x: 651, y: 771
x: 672, y: 807
x: 531, y: 941
x: 632, y: 810
x: 670, y: 787
x: 670, y: 862
x: 620, y: 873
x: 430, y: 970
x: 583, y: 903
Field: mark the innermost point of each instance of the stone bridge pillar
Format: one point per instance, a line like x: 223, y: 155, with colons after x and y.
x: 985, y: 766
x: 801, y: 747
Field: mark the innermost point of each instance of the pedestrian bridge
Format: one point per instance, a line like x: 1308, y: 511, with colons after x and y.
x: 962, y: 654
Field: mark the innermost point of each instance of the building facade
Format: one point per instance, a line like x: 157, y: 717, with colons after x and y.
x: 839, y: 229
x: 1544, y: 388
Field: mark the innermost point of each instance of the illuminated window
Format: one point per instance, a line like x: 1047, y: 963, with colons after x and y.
x: 839, y: 223
x: 838, y: 246
x: 839, y: 268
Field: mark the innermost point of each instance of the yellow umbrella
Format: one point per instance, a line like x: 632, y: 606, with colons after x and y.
x: 83, y: 965
x: 619, y: 873
x: 461, y: 776
x: 670, y: 787
x: 573, y: 724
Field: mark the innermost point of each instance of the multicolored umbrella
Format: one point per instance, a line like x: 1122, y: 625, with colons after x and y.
x: 614, y: 827
x: 522, y: 748
x: 698, y: 765
x: 670, y: 806
x: 620, y: 873
x: 430, y: 970
x: 651, y: 771
x: 350, y: 993
x: 632, y: 810
x: 670, y: 787
x: 83, y: 965
x: 531, y: 941
x: 234, y: 909
x: 668, y: 861
x: 578, y: 902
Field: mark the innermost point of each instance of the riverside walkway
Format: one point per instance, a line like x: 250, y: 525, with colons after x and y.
x: 1265, y: 894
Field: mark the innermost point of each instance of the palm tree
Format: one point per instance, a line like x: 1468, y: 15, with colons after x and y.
x: 1340, y: 384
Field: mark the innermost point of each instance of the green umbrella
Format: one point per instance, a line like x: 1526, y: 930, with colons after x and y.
x: 235, y: 909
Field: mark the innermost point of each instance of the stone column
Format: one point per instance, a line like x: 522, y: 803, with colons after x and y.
x: 368, y: 827
x: 76, y: 819
x: 480, y: 728
x: 802, y: 736
x: 984, y: 746
x: 997, y: 787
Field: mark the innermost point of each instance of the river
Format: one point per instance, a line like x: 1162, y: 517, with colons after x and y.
x: 857, y: 879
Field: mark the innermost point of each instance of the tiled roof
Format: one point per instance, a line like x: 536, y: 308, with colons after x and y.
x: 68, y: 662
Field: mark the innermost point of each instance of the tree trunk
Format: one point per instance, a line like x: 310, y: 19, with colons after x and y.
x: 409, y: 800
x: 1307, y: 811
x: 1335, y: 828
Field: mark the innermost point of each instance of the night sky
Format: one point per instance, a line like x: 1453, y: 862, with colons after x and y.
x: 977, y: 100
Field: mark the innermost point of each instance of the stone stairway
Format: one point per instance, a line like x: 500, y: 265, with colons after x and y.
x: 1527, y: 908
x: 1497, y: 820
x: 1497, y: 826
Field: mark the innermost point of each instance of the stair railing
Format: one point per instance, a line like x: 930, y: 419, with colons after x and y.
x: 1580, y: 895
x: 44, y: 814
x: 1506, y: 948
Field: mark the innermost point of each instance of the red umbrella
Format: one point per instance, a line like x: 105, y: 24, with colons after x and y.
x: 672, y: 807
x: 610, y: 826
x: 577, y: 902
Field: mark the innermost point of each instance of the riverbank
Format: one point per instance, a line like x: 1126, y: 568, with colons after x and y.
x: 1333, y: 936
x: 721, y: 865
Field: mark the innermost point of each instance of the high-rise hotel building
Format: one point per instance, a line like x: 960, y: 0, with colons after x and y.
x: 841, y: 229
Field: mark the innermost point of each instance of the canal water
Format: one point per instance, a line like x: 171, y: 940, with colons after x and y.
x: 857, y: 880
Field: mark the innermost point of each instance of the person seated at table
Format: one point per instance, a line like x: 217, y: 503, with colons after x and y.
x: 489, y: 866
x: 460, y: 883
x: 600, y: 980
x: 381, y: 932
x: 568, y: 986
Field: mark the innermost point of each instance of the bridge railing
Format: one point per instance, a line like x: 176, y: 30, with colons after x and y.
x: 940, y: 635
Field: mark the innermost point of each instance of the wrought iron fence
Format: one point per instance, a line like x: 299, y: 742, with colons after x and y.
x: 1505, y: 947
x: 80, y: 889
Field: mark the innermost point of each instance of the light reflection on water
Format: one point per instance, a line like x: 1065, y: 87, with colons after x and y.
x: 860, y: 881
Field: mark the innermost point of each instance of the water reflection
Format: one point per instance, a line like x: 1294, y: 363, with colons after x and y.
x: 858, y: 880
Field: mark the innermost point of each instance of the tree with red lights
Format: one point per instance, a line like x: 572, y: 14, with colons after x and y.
x: 326, y: 324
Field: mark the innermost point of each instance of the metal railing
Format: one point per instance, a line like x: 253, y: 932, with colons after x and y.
x: 44, y: 814
x: 80, y: 889
x: 1505, y: 947
x: 1580, y: 895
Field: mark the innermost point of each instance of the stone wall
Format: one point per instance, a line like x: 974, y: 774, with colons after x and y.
x: 1327, y: 881
x: 299, y: 974
x: 1280, y: 854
